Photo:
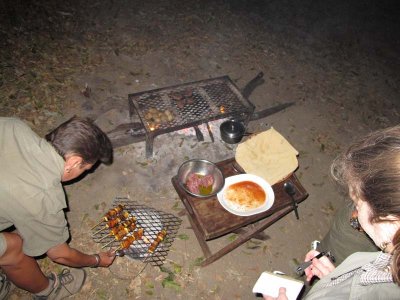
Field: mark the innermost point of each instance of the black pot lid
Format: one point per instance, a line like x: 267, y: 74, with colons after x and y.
x: 232, y: 128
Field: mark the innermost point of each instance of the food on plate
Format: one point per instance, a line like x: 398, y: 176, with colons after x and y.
x: 245, y: 196
x: 159, y: 238
x: 200, y: 184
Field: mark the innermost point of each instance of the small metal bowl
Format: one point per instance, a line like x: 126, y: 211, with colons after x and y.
x: 202, y: 167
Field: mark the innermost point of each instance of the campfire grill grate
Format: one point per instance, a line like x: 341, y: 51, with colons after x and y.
x: 152, y: 221
x: 190, y: 104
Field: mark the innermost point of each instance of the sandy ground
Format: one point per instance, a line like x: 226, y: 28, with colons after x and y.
x: 337, y: 62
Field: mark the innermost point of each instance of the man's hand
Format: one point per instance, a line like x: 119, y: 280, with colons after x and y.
x: 65, y: 255
x: 319, y: 267
x: 106, y: 258
x: 281, y: 296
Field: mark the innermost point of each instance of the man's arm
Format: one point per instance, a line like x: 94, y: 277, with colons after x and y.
x: 65, y: 255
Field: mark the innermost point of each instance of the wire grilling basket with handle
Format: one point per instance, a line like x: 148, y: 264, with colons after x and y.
x: 137, y: 231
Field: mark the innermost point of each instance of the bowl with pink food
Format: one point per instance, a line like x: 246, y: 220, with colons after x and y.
x: 200, y: 178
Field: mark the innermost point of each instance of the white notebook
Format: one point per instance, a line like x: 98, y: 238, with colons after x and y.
x: 269, y: 284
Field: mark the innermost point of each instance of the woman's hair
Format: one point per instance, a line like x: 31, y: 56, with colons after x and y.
x: 371, y: 168
x: 396, y: 258
x: 81, y: 137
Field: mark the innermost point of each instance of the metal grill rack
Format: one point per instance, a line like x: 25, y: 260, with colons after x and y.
x: 198, y: 102
x: 152, y: 221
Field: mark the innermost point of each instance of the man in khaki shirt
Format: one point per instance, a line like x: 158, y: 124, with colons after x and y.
x: 32, y: 202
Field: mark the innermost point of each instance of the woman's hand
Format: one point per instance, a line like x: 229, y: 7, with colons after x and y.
x: 281, y: 296
x: 320, y: 267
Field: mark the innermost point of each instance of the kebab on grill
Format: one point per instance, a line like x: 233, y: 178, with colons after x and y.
x: 125, y: 244
x: 159, y: 238
x: 110, y: 214
x: 114, y: 222
x: 128, y: 223
x: 122, y: 233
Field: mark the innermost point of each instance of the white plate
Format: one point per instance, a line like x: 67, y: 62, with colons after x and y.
x: 247, y: 177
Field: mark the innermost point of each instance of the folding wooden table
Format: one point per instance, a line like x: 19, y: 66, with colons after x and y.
x: 210, y: 220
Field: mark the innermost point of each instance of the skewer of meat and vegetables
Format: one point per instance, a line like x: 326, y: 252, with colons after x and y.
x: 112, y: 213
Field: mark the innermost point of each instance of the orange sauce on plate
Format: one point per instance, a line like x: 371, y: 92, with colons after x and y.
x: 246, y: 195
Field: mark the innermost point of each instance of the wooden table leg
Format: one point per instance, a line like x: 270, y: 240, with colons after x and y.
x: 203, y: 244
x: 259, y: 226
x: 199, y: 236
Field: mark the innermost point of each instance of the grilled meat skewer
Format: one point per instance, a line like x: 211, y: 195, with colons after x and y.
x: 160, y: 237
x: 125, y: 244
x: 114, y: 222
x: 110, y: 214
x: 122, y: 233
x: 126, y: 224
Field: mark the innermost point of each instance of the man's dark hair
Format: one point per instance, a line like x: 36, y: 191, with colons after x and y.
x: 80, y: 136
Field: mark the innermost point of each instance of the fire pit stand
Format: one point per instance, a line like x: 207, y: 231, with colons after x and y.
x: 188, y: 105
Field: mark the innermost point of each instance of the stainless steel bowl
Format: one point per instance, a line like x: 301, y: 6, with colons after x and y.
x: 202, y: 167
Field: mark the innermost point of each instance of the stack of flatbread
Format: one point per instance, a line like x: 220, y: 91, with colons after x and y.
x: 268, y: 155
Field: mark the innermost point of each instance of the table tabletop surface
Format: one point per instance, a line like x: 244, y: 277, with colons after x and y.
x: 214, y: 221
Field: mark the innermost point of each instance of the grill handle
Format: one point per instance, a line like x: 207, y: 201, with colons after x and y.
x: 252, y: 84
